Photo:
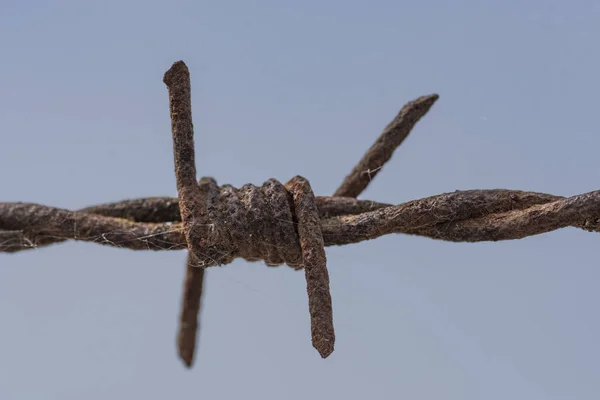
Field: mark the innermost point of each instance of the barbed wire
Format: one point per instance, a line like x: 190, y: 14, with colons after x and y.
x: 286, y: 223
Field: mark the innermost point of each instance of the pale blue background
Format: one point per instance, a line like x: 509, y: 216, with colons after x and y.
x: 280, y: 84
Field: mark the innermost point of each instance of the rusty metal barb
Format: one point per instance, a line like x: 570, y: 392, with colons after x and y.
x: 190, y: 311
x: 382, y: 150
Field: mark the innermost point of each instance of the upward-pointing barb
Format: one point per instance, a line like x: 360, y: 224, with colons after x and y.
x: 382, y: 150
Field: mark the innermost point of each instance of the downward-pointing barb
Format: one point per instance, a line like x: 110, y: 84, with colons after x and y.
x: 315, y: 265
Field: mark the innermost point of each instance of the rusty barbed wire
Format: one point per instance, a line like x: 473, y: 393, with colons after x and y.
x: 286, y: 224
x: 461, y: 216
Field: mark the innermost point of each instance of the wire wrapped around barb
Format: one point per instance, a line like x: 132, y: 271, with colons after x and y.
x: 274, y: 223
x: 252, y: 222
x: 265, y: 223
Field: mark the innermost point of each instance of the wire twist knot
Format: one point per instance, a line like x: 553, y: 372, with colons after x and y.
x: 252, y: 222
x: 275, y: 223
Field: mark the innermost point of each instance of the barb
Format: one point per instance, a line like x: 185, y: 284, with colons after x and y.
x: 193, y: 202
x: 190, y: 311
x: 382, y: 150
x: 286, y: 224
x: 192, y: 199
x: 315, y: 269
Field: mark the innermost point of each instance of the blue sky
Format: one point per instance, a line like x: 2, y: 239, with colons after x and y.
x: 281, y: 88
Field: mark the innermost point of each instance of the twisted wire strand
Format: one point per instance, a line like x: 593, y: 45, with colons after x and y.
x: 461, y: 216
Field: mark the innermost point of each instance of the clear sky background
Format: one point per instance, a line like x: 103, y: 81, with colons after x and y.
x: 281, y: 88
